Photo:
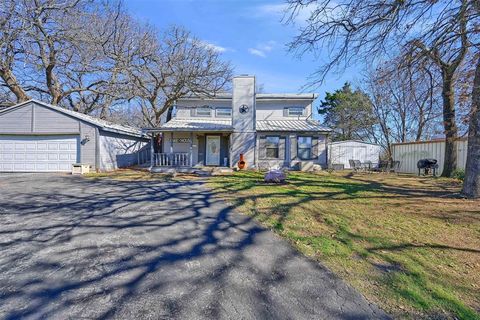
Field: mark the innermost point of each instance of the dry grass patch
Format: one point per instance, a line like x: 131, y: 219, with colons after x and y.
x: 410, y: 244
x: 139, y: 175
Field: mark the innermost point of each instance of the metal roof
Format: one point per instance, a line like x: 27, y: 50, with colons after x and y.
x: 104, y: 125
x: 290, y: 125
x: 194, y: 124
x: 288, y: 96
x: 258, y: 96
x: 206, y: 124
x: 358, y: 141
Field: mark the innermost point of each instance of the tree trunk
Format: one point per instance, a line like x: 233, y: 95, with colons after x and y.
x: 451, y: 130
x: 12, y: 84
x: 471, y: 185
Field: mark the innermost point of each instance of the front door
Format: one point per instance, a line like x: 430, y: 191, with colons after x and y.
x: 212, y: 154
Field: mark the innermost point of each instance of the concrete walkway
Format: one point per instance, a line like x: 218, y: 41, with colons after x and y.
x: 77, y: 248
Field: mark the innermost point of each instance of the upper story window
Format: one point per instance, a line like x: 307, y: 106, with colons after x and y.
x: 295, y: 111
x: 203, y: 111
x: 223, y: 112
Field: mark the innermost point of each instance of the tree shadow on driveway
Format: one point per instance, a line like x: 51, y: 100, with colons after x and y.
x: 78, y: 248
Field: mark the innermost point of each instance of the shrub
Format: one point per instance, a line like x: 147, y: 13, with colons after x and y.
x: 458, y: 174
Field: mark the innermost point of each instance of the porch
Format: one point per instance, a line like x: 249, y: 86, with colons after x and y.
x: 183, y: 150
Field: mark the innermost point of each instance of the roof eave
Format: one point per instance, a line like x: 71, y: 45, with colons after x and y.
x: 294, y: 130
x: 152, y: 130
x: 102, y: 127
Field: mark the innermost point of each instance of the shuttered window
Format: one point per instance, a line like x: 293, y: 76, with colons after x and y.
x: 223, y: 112
x: 204, y: 111
x: 272, y: 144
x: 304, y: 148
x: 296, y: 111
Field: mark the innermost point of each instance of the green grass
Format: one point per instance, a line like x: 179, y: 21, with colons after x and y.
x: 409, y: 244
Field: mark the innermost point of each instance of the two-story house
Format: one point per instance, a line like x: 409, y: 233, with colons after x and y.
x: 269, y: 130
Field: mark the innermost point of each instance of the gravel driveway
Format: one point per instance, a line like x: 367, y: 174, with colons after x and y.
x: 72, y: 247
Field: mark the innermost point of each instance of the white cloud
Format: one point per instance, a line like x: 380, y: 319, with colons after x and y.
x: 257, y: 52
x: 283, y: 12
x: 214, y: 47
x: 262, y: 49
x: 269, y: 9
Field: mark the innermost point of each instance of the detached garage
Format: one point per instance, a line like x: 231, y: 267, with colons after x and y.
x: 38, y: 137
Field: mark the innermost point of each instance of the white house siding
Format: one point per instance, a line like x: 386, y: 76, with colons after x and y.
x: 50, y: 121
x: 119, y: 151
x: 184, y: 107
x: 88, y: 149
x: 265, y: 109
x: 273, y: 109
x: 343, y: 151
x: 17, y: 121
x: 198, y: 156
x: 288, y: 151
x: 38, y: 122
x: 181, y: 147
x: 35, y: 121
x: 409, y: 154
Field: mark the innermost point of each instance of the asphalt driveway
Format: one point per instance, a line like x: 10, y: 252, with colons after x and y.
x: 78, y: 248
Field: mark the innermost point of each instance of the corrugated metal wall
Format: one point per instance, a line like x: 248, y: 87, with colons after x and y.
x: 342, y: 152
x: 410, y: 153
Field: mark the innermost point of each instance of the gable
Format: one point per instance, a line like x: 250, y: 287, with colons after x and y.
x: 35, y: 118
x: 17, y: 120
x: 47, y: 120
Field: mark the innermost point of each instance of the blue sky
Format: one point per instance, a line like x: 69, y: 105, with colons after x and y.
x: 249, y: 33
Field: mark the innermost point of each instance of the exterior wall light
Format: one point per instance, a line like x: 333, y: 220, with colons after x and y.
x: 85, y: 140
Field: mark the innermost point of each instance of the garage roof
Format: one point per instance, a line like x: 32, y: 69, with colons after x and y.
x: 102, y: 124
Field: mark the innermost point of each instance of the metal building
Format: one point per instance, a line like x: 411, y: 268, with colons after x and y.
x: 409, y: 153
x: 340, y: 152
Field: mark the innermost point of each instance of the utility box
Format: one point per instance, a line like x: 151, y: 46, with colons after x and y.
x: 80, y: 168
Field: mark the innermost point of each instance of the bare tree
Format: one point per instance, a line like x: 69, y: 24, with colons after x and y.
x: 406, y: 102
x: 352, y: 30
x: 177, y: 66
x: 11, y: 47
x: 471, y: 185
x: 74, y: 53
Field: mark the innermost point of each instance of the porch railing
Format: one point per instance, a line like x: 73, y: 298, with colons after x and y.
x: 171, y: 159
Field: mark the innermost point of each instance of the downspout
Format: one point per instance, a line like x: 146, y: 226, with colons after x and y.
x: 255, y: 153
x: 97, y: 149
x: 152, y: 150
x: 326, y: 150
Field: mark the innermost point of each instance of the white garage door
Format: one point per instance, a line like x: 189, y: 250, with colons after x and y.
x: 38, y: 153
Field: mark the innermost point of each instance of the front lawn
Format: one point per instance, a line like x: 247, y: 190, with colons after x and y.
x: 409, y: 244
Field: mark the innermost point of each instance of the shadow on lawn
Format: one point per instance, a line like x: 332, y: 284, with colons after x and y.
x: 92, y: 247
x: 403, y: 269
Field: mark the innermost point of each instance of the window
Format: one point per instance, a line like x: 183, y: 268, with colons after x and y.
x: 224, y: 112
x: 295, y: 111
x: 271, y: 145
x: 203, y: 111
x: 304, y: 148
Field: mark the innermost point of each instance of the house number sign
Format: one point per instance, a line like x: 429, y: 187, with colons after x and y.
x: 181, y: 140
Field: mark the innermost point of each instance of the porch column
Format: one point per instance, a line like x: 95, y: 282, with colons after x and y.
x: 171, y: 142
x: 152, y: 150
x: 191, y: 149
